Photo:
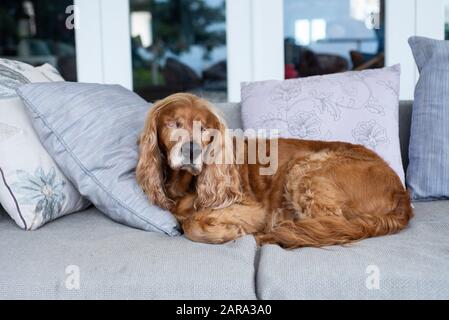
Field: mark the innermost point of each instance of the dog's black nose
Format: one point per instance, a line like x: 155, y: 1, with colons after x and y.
x: 190, y: 151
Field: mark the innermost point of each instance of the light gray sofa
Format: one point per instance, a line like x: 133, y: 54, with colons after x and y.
x: 117, y: 262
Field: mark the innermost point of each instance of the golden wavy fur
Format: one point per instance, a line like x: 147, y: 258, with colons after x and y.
x: 323, y: 193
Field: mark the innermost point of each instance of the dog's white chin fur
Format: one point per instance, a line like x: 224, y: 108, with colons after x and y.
x: 176, y: 162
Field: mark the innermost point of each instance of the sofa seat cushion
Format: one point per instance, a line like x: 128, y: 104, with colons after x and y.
x: 413, y: 264
x: 118, y: 262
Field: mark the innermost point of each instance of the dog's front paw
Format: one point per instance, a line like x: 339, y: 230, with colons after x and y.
x: 264, y: 239
x: 211, y: 230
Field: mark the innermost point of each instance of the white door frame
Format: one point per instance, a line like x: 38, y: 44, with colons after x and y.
x: 406, y: 18
x: 88, y: 39
x: 254, y: 40
x: 103, y: 42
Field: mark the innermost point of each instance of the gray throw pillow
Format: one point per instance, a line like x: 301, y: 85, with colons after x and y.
x: 91, y: 131
x: 428, y: 171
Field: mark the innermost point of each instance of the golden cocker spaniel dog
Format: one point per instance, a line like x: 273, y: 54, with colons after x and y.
x: 322, y: 193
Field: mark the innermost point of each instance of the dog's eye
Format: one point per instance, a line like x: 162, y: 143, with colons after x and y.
x: 174, y: 124
x: 203, y: 128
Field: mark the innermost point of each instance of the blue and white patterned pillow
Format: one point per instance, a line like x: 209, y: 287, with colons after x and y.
x: 428, y: 171
x: 32, y: 188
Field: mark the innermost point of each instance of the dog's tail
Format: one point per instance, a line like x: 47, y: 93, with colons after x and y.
x: 337, y: 230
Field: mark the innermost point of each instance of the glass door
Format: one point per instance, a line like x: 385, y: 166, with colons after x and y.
x: 179, y: 45
x: 330, y: 36
x: 36, y: 32
x: 209, y: 47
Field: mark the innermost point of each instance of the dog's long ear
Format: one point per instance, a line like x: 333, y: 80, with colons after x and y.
x: 218, y: 185
x: 150, y: 172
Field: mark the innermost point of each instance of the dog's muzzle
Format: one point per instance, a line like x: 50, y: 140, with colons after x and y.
x: 191, y: 153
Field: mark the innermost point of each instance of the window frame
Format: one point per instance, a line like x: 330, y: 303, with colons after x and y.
x: 255, y: 40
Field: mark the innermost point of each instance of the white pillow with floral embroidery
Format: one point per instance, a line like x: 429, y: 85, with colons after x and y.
x: 360, y: 107
x: 33, y: 191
